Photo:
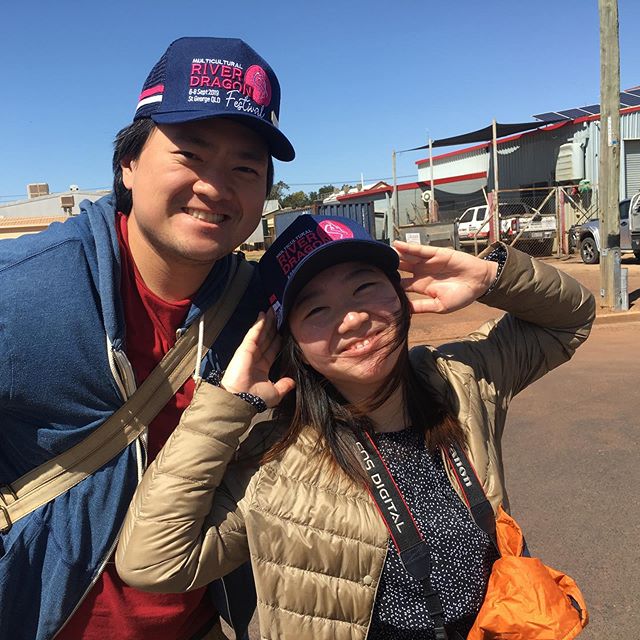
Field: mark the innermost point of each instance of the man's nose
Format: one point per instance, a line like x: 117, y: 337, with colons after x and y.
x: 213, y: 185
x: 352, y: 320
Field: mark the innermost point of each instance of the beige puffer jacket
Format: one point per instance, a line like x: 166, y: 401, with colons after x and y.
x: 315, y: 539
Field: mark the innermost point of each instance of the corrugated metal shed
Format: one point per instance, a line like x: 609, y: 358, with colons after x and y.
x: 530, y: 158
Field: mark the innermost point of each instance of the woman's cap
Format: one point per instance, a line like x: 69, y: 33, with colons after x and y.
x: 309, y: 245
x: 198, y: 78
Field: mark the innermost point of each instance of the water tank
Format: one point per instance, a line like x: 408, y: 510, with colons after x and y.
x: 570, y: 163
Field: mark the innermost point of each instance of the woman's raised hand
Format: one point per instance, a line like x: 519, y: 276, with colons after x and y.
x: 248, y: 370
x: 448, y: 279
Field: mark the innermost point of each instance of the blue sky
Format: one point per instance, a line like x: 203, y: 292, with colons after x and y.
x: 359, y: 78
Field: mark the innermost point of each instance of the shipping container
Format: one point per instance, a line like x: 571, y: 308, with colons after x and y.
x: 362, y: 212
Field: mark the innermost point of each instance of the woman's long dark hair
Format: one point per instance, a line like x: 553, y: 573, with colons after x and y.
x: 318, y: 404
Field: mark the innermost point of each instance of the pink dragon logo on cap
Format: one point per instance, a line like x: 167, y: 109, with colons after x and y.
x: 336, y: 230
x: 256, y: 78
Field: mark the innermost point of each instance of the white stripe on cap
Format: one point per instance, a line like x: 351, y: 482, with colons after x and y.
x: 149, y: 100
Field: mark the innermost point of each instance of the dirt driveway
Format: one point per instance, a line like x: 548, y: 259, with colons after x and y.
x: 436, y: 329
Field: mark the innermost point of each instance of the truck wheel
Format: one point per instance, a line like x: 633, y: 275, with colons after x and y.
x: 589, y: 251
x: 637, y: 255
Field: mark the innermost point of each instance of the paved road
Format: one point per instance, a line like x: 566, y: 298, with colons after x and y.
x: 571, y: 450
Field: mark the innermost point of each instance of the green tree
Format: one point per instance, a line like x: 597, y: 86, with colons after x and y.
x: 326, y: 191
x: 296, y: 200
x: 277, y: 190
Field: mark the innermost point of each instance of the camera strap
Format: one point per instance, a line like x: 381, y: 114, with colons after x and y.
x: 471, y: 490
x: 407, y: 538
x: 409, y: 542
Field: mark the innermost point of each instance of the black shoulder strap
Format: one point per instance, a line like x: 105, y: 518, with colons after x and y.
x: 407, y: 538
x: 472, y: 490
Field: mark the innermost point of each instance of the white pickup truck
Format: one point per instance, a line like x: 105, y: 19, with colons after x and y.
x: 519, y: 223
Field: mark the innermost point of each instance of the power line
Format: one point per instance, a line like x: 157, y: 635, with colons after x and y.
x: 291, y: 184
x: 352, y: 181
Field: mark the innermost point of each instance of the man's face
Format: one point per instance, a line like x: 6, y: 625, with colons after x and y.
x: 198, y: 191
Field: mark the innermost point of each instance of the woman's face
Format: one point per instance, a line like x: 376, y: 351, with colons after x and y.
x: 344, y: 320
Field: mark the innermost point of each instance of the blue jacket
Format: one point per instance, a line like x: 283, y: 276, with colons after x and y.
x: 61, y: 331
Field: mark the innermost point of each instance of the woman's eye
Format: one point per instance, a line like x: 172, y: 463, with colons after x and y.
x: 364, y: 286
x: 315, y: 311
x: 187, y: 154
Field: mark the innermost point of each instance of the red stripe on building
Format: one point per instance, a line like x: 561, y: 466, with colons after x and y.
x: 414, y: 185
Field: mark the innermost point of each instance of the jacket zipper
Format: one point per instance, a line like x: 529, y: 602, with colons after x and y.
x: 122, y: 372
x: 126, y: 380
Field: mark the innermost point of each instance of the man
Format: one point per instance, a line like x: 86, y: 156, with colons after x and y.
x: 87, y: 310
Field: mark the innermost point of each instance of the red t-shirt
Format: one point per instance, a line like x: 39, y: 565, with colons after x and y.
x: 111, y: 608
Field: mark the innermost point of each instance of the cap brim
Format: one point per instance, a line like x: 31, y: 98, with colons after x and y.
x: 371, y: 252
x: 279, y: 146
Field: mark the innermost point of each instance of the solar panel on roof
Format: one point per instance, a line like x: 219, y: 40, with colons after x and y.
x: 629, y: 100
x: 572, y: 113
x: 550, y: 115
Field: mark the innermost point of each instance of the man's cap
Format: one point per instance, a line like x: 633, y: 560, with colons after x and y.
x: 309, y: 245
x: 198, y: 78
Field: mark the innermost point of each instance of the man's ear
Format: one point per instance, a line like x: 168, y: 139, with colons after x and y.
x: 128, y: 166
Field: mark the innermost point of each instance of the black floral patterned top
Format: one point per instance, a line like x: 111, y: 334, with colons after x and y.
x: 461, y: 553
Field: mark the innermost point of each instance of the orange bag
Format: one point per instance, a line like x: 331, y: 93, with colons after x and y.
x: 526, y: 600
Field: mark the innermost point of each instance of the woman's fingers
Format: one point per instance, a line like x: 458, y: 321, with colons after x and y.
x: 284, y: 386
x: 413, y: 251
x: 428, y: 305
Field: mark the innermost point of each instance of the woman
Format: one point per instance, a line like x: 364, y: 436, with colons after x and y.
x: 326, y: 562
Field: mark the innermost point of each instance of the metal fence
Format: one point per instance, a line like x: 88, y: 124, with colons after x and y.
x: 529, y: 220
x: 537, y: 220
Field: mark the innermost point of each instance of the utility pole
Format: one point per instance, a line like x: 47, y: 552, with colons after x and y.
x: 395, y: 216
x: 433, y: 205
x: 609, y: 164
x: 496, y: 183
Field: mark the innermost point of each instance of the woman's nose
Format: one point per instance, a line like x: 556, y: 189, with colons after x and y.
x: 352, y: 320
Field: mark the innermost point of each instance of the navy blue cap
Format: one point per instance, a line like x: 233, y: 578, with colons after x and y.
x: 309, y: 245
x: 199, y: 78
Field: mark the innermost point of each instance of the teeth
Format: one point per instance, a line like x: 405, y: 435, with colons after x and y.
x: 362, y: 345
x: 207, y: 216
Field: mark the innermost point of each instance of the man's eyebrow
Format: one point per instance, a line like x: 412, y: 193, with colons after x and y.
x: 246, y: 153
x: 252, y: 154
x: 191, y: 139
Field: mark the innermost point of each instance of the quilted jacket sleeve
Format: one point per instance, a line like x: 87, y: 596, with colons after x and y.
x: 549, y: 315
x: 185, y: 525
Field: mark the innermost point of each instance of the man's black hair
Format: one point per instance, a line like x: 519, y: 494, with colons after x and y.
x: 128, y: 146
